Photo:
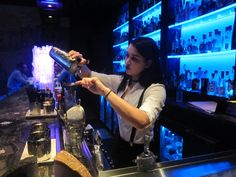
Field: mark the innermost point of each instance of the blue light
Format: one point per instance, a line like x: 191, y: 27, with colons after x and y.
x: 210, y: 54
x: 49, y: 4
x: 119, y: 66
x: 148, y: 10
x: 221, y: 61
x: 122, y: 45
x: 125, y: 25
x: 155, y: 35
x: 206, y: 26
x: 226, y: 11
x: 201, y: 169
x: 171, y: 145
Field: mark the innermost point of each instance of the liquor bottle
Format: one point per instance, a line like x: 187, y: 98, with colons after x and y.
x: 228, y: 85
x: 204, y: 82
x: 228, y: 35
x: 192, y: 43
x: 217, y: 79
x: 211, y: 89
x: 203, y: 45
x: 195, y: 82
x: 221, y: 86
x: 189, y: 80
x: 214, y: 41
x: 199, y: 74
x: 210, y: 42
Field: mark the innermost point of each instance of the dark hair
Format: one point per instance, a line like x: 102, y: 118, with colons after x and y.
x: 20, y: 66
x: 148, y: 48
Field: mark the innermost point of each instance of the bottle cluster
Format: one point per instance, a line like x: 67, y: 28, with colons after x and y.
x: 43, y: 98
x: 186, y: 10
x: 152, y: 23
x: 124, y: 15
x: 120, y: 37
x: 212, y: 41
x: 217, y: 83
x: 144, y: 5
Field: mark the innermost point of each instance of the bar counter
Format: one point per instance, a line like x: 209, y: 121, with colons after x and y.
x: 15, y: 129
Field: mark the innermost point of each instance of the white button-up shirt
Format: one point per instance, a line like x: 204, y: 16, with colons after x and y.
x: 152, y: 103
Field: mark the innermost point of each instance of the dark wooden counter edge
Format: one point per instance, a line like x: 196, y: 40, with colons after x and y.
x: 189, y: 107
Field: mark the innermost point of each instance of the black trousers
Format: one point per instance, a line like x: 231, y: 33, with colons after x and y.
x: 124, y: 155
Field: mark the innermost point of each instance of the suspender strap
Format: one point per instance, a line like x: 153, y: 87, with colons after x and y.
x: 134, y: 129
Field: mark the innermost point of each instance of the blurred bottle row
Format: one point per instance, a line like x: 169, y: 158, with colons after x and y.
x: 218, y: 83
x: 211, y: 41
x: 144, y: 5
x: 185, y: 10
x: 146, y: 26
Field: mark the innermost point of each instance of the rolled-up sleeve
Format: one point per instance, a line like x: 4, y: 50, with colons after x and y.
x: 154, y: 101
x: 110, y: 80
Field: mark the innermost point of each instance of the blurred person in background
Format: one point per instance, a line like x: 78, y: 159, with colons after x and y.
x: 3, y: 82
x: 18, y: 78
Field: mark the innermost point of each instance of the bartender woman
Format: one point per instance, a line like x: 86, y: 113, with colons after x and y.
x: 137, y: 96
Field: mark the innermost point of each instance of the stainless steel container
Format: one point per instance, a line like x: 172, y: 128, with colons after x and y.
x: 39, y: 141
x: 39, y: 126
x: 39, y: 147
x: 68, y: 63
x: 61, y: 57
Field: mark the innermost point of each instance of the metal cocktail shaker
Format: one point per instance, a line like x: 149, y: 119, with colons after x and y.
x: 68, y: 63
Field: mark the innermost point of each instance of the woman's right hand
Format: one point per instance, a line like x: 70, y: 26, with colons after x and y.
x: 83, y: 71
x: 76, y: 54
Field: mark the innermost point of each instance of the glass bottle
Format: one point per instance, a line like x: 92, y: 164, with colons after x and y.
x: 211, y: 89
x: 221, y: 85
x: 228, y: 85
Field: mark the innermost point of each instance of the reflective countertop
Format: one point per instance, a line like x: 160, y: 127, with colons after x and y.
x: 14, y: 132
x: 212, y: 165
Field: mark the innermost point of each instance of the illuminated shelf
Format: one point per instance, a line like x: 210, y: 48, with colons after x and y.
x: 210, y: 54
x: 148, y: 10
x: 125, y: 25
x: 119, y: 66
x: 216, y: 15
x: 155, y: 35
x: 121, y: 62
x: 122, y: 45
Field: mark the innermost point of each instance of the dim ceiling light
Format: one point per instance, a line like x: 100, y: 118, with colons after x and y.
x: 49, y: 16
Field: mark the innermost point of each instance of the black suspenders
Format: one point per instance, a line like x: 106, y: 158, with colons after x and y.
x: 134, y: 129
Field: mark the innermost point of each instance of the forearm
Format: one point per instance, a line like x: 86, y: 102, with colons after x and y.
x: 135, y: 116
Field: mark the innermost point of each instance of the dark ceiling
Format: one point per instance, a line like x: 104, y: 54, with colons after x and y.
x: 83, y: 8
x: 83, y: 3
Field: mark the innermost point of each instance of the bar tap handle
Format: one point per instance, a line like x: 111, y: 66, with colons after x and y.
x: 146, y: 144
x: 146, y: 160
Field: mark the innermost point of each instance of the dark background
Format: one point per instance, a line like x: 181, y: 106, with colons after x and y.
x: 82, y: 25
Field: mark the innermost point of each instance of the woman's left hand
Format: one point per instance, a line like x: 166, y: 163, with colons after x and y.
x: 94, y: 85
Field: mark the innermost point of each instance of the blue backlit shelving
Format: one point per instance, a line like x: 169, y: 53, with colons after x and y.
x: 148, y: 23
x: 200, y: 41
x: 121, y: 37
x: 119, y: 53
x: 171, y: 145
